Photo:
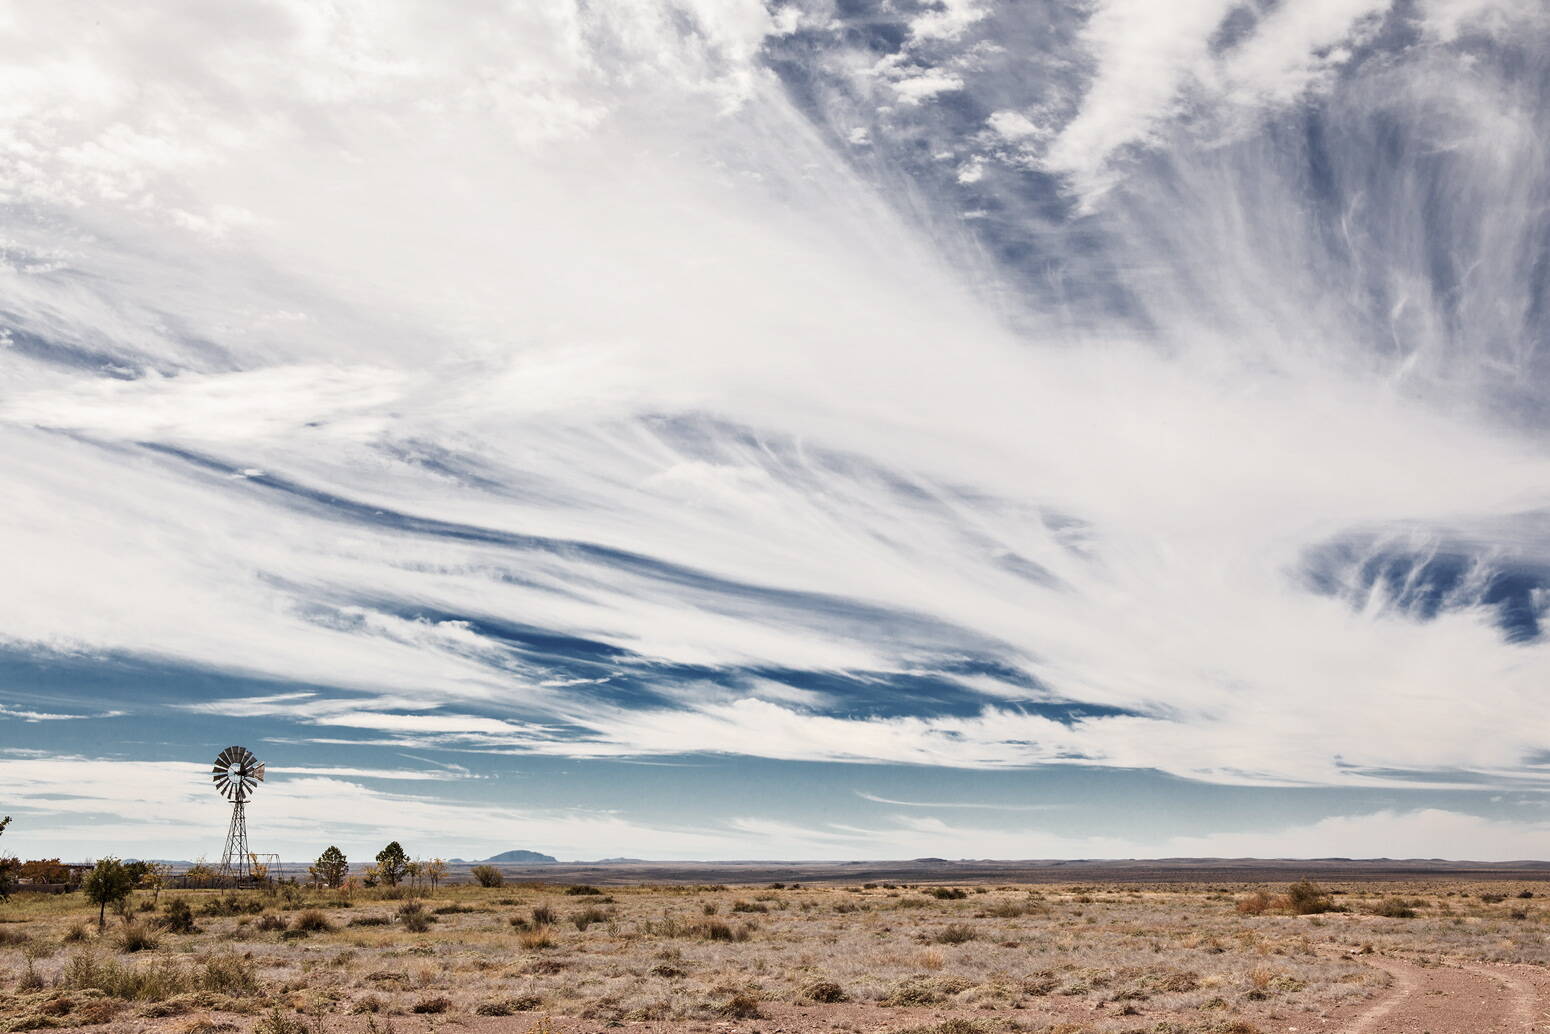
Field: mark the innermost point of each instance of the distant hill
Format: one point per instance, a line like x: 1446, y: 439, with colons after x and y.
x: 521, y: 856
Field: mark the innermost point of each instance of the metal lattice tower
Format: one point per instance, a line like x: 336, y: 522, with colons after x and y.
x: 236, y: 774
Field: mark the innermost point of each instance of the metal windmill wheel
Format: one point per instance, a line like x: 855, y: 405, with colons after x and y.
x: 236, y: 774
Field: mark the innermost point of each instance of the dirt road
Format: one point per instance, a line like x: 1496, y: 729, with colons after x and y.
x: 1457, y: 999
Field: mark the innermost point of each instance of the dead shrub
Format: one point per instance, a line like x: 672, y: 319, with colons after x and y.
x: 508, y: 1006
x: 312, y: 921
x: 955, y: 933
x: 741, y: 1006
x: 135, y: 937
x: 432, y: 1005
x: 1308, y: 898
x: 537, y: 938
x: 826, y: 992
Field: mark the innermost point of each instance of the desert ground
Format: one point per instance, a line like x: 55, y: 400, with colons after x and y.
x: 1440, y: 955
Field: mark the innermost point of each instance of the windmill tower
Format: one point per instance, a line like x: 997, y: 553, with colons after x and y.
x: 236, y: 774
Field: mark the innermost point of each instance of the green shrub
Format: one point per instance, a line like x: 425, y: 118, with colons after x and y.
x: 1395, y: 908
x: 488, y: 876
x: 179, y: 917
x: 948, y: 893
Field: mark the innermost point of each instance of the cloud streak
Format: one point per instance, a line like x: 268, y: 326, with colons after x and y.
x: 576, y: 383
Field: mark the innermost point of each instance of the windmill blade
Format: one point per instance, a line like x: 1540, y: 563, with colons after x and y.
x: 258, y: 772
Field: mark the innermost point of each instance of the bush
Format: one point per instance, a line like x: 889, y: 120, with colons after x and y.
x: 948, y: 893
x: 580, y: 889
x: 413, y: 917
x: 914, y: 992
x: 1395, y: 908
x: 229, y: 974
x: 715, y: 930
x: 543, y: 915
x: 1308, y: 898
x: 436, y: 1004
x: 488, y: 876
x: 955, y: 933
x: 277, y: 1022
x: 1254, y: 904
x: 749, y: 906
x: 740, y: 1007
x: 1015, y: 909
x: 135, y: 937
x: 269, y: 921
x: 179, y: 917
x: 587, y: 916
x: 312, y: 921
x: 536, y: 938
x: 826, y: 992
x: 508, y: 1006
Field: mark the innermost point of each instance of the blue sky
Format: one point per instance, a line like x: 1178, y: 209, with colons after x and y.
x: 734, y: 430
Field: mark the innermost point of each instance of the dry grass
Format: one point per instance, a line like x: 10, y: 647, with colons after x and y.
x: 948, y: 960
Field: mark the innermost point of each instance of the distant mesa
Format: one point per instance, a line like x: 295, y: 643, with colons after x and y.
x: 620, y: 861
x: 521, y: 856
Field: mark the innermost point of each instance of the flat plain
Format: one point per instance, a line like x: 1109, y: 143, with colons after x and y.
x: 1368, y: 957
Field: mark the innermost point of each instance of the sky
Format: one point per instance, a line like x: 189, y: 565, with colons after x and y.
x: 833, y: 429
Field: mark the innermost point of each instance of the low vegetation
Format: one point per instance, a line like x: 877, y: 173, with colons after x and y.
x: 928, y: 958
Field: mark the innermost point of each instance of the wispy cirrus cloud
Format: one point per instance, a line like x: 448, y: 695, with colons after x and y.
x: 1229, y: 467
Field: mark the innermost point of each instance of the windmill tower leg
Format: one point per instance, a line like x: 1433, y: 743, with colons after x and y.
x: 234, y: 859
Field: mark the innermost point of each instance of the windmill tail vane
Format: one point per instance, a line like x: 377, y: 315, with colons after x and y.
x: 236, y: 774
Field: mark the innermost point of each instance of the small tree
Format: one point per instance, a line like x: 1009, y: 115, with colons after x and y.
x: 414, y: 870
x: 45, y: 870
x: 488, y: 876
x: 392, y: 864
x: 9, y: 868
x: 435, y: 871
x: 154, y: 879
x: 199, y: 874
x: 331, y: 868
x: 108, y: 883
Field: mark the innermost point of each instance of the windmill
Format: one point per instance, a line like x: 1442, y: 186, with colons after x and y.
x: 236, y: 774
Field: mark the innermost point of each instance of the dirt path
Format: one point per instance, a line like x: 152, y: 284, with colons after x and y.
x: 1467, y: 999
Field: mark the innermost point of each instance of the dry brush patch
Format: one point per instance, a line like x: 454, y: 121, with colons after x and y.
x: 866, y: 957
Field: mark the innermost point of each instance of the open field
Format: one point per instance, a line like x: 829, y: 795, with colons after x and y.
x: 1212, y: 958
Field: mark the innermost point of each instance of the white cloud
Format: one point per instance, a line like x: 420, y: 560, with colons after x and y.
x: 916, y: 88
x: 1154, y: 63
x: 609, y: 316
x: 1012, y: 125
x: 81, y: 807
